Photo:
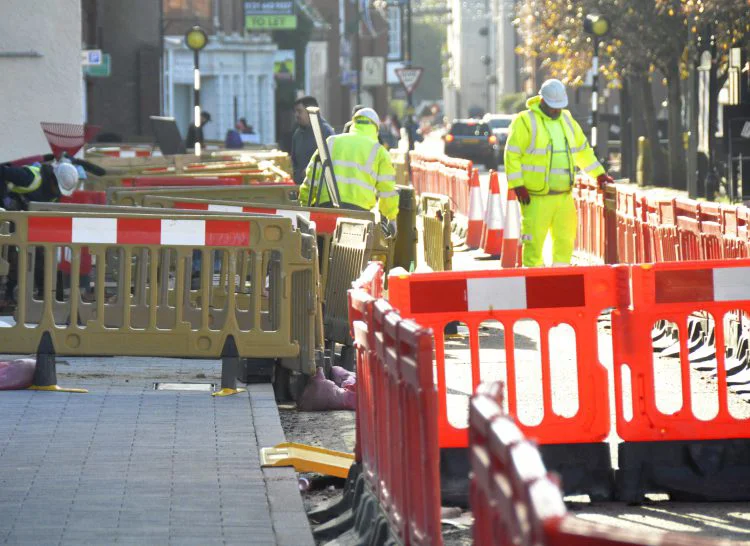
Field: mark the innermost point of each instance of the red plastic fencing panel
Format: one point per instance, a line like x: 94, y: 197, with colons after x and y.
x: 516, y: 502
x: 688, y: 228
x: 673, y: 292
x: 573, y: 296
x: 712, y: 233
x: 734, y: 246
x: 397, y: 435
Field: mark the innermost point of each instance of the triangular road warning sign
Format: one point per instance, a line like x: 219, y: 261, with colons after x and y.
x: 409, y: 77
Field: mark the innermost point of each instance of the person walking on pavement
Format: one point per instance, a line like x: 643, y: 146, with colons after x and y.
x: 303, y: 139
x: 544, y: 146
x: 363, y: 169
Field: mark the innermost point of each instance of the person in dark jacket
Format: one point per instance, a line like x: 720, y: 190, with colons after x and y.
x: 45, y: 182
x: 303, y: 140
x: 195, y: 134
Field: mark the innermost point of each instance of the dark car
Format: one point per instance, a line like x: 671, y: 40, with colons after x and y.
x: 473, y: 139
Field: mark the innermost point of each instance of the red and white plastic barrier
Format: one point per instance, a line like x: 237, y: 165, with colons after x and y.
x: 145, y: 231
x: 515, y: 501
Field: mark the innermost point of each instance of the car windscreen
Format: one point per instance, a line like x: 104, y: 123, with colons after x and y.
x: 470, y: 129
x: 501, y: 123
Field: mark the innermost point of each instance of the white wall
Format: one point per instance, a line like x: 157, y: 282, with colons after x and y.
x: 47, y: 87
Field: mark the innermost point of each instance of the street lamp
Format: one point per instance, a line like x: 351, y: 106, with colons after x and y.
x: 196, y: 39
x: 598, y: 27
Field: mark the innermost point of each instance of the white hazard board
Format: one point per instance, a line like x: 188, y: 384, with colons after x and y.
x: 409, y: 77
x: 745, y: 130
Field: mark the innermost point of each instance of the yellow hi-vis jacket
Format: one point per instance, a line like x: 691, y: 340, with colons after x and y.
x: 363, y: 169
x: 528, y: 151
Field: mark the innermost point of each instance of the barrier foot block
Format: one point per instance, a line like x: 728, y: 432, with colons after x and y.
x: 343, y: 523
x: 585, y: 469
x: 56, y: 388
x: 454, y: 476
x: 228, y: 392
x: 306, y: 458
x: 698, y: 470
x: 328, y: 510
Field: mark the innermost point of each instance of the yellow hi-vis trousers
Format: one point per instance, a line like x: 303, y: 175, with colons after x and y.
x: 554, y: 214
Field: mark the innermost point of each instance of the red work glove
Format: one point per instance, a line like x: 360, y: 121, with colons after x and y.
x: 604, y: 179
x: 523, y: 195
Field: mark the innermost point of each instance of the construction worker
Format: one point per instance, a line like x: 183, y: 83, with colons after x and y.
x: 544, y: 147
x: 43, y: 182
x: 363, y: 170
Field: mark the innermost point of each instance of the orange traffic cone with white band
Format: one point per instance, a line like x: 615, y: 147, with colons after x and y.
x: 494, y: 220
x: 511, y: 241
x: 476, y: 212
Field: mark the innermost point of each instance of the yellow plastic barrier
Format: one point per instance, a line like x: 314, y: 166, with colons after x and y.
x: 436, y: 221
x: 158, y: 294
x: 275, y: 194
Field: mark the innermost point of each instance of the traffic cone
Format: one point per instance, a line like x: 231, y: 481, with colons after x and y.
x: 476, y: 212
x: 494, y: 220
x: 511, y: 242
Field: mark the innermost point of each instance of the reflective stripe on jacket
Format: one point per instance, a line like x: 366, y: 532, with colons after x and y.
x: 528, y: 151
x: 28, y: 184
x: 363, y: 169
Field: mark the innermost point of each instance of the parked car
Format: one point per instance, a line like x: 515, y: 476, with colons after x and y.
x: 500, y: 125
x: 473, y: 139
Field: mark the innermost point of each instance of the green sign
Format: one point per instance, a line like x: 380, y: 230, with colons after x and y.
x: 270, y: 22
x: 103, y: 70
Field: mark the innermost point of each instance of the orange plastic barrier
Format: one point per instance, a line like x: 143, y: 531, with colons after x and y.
x: 589, y: 200
x: 574, y: 296
x: 515, y: 501
x: 711, y: 232
x: 673, y: 291
x: 397, y: 438
x: 734, y: 246
x: 444, y: 175
x: 371, y: 281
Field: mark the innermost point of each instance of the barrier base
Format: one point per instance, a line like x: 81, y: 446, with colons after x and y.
x: 256, y: 370
x: 707, y: 470
x: 56, y: 388
x: 585, y: 469
x: 364, y: 523
x: 332, y: 508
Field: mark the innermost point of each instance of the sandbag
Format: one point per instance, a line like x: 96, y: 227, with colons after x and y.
x: 344, y: 378
x: 16, y: 374
x: 322, y: 394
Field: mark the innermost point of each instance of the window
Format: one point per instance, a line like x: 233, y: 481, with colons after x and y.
x: 196, y: 8
x: 394, y: 33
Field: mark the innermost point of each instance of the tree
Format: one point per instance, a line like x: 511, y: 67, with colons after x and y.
x: 646, y: 36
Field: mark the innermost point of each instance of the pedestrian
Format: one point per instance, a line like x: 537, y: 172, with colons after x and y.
x: 363, y: 170
x: 545, y: 145
x: 233, y: 140
x: 303, y: 139
x: 244, y: 128
x: 44, y: 182
x: 195, y: 134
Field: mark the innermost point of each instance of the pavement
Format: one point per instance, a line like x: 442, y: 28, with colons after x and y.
x: 129, y: 464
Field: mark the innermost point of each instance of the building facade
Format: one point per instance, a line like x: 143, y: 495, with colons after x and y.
x: 468, y: 88
x: 40, y: 63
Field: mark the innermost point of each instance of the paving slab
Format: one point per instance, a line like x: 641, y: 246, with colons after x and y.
x: 129, y: 464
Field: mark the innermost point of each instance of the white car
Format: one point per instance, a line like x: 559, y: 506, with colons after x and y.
x: 500, y: 125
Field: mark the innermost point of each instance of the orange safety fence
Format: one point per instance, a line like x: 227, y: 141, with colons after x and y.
x: 515, y: 501
x: 397, y: 438
x: 445, y: 175
x: 673, y: 292
x: 157, y: 181
x: 572, y: 296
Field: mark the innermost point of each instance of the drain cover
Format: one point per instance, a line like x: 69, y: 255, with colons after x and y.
x: 193, y: 387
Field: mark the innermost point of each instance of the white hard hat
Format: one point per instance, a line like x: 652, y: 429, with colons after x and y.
x: 553, y: 93
x: 67, y: 177
x: 368, y: 113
